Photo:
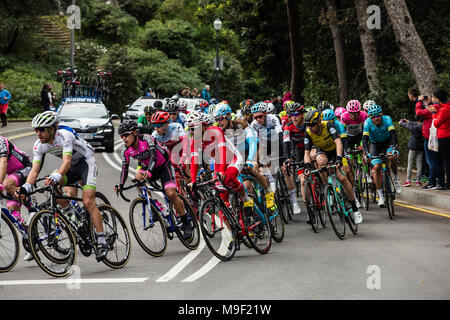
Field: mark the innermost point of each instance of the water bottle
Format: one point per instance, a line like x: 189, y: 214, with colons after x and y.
x: 77, y: 216
x: 76, y: 206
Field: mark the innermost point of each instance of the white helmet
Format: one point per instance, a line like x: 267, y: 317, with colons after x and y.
x: 45, y: 120
x: 211, y: 109
x: 208, y: 119
x: 367, y: 104
x: 194, y: 119
x: 270, y: 107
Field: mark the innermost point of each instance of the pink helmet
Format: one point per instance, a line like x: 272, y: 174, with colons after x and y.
x: 339, y: 111
x: 353, y: 106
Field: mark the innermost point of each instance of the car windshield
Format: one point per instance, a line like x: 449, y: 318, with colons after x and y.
x: 141, y: 104
x: 86, y: 110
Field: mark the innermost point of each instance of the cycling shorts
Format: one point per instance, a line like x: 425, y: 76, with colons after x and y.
x: 84, y: 170
x: 376, y: 148
x: 166, y: 173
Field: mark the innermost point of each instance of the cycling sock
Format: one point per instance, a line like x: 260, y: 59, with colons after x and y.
x: 293, y: 197
x: 380, y: 193
x: 101, y: 238
x: 354, y: 207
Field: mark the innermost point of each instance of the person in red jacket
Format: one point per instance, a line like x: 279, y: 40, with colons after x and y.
x: 441, y: 119
x: 434, y: 160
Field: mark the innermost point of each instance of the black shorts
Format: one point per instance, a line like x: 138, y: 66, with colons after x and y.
x: 331, y: 155
x: 166, y: 174
x: 355, y: 140
x: 376, y: 148
x: 20, y: 175
x: 84, y: 170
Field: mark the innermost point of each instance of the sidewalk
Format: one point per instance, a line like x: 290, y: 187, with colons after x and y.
x: 424, y: 198
x: 15, y: 128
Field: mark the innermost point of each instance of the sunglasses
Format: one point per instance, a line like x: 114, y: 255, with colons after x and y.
x: 158, y: 125
x: 312, y: 124
x: 40, y: 129
x: 172, y: 113
x: 295, y: 114
x: 219, y: 119
x: 376, y: 116
x: 258, y: 117
x: 125, y: 134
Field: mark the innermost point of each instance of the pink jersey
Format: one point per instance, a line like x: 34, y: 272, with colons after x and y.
x: 17, y: 159
x: 354, y: 127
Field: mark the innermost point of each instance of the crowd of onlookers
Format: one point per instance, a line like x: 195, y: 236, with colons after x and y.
x: 433, y: 111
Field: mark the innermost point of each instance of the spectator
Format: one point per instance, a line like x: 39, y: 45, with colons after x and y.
x: 205, y: 94
x: 434, y: 160
x: 287, y: 97
x: 47, y: 97
x: 5, y: 96
x: 194, y: 93
x: 441, y: 119
x: 415, y: 146
x: 277, y: 104
x: 150, y: 93
x: 187, y: 92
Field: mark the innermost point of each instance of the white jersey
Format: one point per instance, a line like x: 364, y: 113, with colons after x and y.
x: 65, y: 143
x: 271, y: 128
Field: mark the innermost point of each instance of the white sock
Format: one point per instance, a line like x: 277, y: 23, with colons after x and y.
x: 380, y: 193
x: 246, y: 198
x: 293, y: 197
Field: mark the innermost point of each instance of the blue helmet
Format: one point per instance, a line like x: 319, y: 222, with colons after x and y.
x: 374, y: 110
x: 328, y: 114
x: 222, y: 109
x: 259, y: 107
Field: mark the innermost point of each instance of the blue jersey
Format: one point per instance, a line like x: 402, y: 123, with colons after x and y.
x: 381, y: 133
x: 4, y: 96
x: 340, y: 128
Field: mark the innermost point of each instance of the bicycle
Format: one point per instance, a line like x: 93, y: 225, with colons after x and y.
x: 337, y: 205
x: 54, y: 235
x: 361, y: 174
x: 282, y: 197
x: 154, y: 223
x: 387, y: 184
x: 258, y: 195
x: 223, y: 227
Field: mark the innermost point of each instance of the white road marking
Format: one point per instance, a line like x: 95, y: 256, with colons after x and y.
x: 71, y: 281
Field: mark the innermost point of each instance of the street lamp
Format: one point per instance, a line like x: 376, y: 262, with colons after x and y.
x: 217, y: 26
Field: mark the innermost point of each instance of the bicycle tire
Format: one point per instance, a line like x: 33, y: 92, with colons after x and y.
x: 193, y: 242
x: 257, y: 227
x: 350, y: 218
x: 388, y: 187
x: 311, y: 207
x: 211, y: 224
x: 336, y: 216
x: 40, y: 231
x: 284, y: 198
x: 100, y: 198
x: 116, y: 235
x: 9, y: 245
x: 157, y: 231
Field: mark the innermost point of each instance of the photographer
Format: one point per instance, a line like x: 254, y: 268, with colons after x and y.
x: 434, y: 160
x: 415, y: 146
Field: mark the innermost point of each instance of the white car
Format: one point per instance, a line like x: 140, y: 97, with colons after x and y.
x: 135, y: 110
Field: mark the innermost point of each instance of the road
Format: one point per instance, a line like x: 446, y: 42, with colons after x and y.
x: 407, y: 258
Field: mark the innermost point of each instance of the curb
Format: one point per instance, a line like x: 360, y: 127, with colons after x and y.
x: 10, y: 133
x: 425, y: 198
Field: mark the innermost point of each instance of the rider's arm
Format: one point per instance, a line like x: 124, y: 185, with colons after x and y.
x: 125, y: 165
x: 366, y: 133
x: 252, y: 141
x: 286, y: 141
x: 3, y: 158
x: 393, y: 142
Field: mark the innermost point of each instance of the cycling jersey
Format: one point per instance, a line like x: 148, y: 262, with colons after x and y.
x: 17, y: 159
x: 174, y: 136
x: 354, y: 127
x: 293, y: 138
x: 64, y: 143
x: 181, y: 119
x: 150, y: 155
x: 144, y: 126
x: 272, y: 126
x: 323, y: 141
x: 245, y: 140
x: 381, y: 133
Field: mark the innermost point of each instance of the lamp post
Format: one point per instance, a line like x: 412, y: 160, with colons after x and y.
x: 217, y: 26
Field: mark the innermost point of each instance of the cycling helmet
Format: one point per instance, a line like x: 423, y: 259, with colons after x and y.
x: 246, y: 102
x: 353, y: 106
x: 323, y: 105
x: 160, y: 117
x: 367, y: 104
x: 221, y: 109
x: 172, y: 106
x: 246, y: 110
x: 158, y: 105
x: 259, y: 107
x: 211, y: 109
x: 374, y: 110
x: 182, y: 105
x: 339, y: 111
x: 194, y: 119
x: 204, y: 105
x: 270, y: 107
x: 328, y: 114
x: 287, y: 103
x: 309, y: 108
x: 149, y: 110
x: 209, y: 120
x: 295, y: 107
x: 127, y: 126
x: 45, y: 120
x: 313, y: 116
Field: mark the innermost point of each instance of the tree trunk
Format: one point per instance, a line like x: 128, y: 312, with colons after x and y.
x: 411, y: 46
x: 339, y: 51
x: 368, y: 45
x: 297, y: 76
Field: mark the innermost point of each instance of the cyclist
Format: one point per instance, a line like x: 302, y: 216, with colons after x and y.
x: 244, y: 103
x: 293, y: 143
x: 203, y: 106
x: 175, y: 115
x: 153, y: 163
x: 380, y: 132
x: 144, y: 123
x: 339, y: 112
x: 245, y: 139
x: 367, y: 104
x: 323, y: 105
x: 78, y: 164
x: 328, y: 147
x: 283, y: 115
x: 209, y: 142
x: 173, y: 137
x: 15, y: 166
x: 269, y: 129
x: 354, y: 120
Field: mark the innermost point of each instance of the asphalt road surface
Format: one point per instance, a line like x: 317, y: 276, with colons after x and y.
x: 407, y: 258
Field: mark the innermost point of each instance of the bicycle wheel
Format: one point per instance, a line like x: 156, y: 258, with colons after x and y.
x: 52, y: 243
x: 258, y: 231
x: 333, y: 206
x: 193, y: 242
x: 100, y: 198
x: 283, y: 199
x: 311, y: 207
x: 9, y: 245
x: 219, y: 236
x: 388, y: 192
x: 322, y: 210
x: 151, y: 235
x: 350, y: 218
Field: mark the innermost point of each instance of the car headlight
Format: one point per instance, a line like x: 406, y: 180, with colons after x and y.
x: 104, y: 130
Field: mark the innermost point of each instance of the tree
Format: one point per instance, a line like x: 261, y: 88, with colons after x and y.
x: 297, y: 75
x: 368, y: 45
x: 411, y: 46
x: 339, y: 50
